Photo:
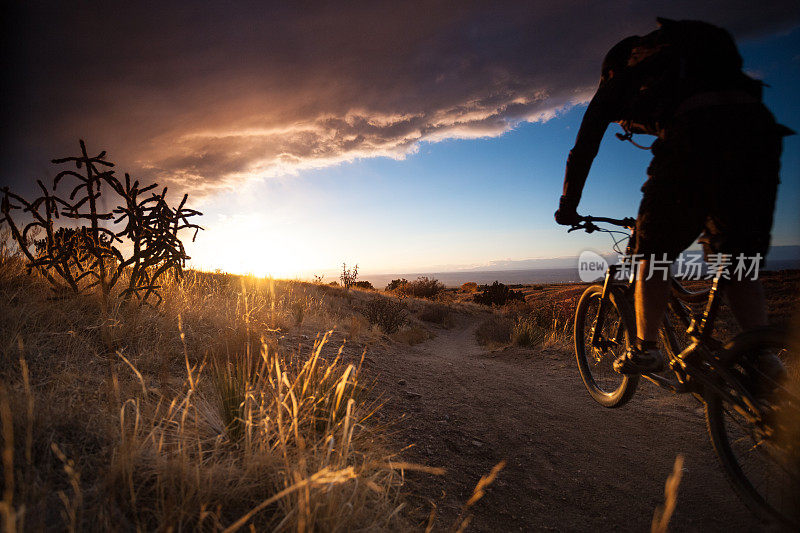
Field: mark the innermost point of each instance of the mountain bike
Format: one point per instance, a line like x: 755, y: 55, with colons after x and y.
x: 753, y: 419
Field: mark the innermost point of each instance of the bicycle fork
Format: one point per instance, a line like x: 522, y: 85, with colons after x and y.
x: 605, y: 296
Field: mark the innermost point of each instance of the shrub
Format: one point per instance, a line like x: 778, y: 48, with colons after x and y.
x: 424, y: 287
x: 498, y: 294
x: 495, y: 331
x: 470, y: 286
x: 395, y: 284
x: 412, y: 335
x: 363, y: 285
x: 355, y: 326
x: 386, y: 313
x: 437, y: 314
x: 91, y: 256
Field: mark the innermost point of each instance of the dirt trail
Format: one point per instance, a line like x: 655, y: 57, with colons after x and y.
x: 571, y: 464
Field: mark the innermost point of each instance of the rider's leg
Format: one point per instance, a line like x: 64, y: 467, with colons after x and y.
x: 747, y: 301
x: 651, y: 297
x: 749, y: 306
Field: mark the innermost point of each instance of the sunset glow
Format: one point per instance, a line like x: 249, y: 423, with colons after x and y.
x: 394, y: 266
x: 253, y: 244
x: 375, y: 136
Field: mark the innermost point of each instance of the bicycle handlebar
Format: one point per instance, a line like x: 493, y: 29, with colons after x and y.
x: 587, y: 223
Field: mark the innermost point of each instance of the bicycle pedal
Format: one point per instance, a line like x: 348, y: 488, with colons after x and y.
x: 679, y: 367
x: 677, y: 364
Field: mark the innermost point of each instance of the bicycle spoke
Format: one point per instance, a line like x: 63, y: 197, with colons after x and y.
x: 766, y: 452
x: 606, y: 379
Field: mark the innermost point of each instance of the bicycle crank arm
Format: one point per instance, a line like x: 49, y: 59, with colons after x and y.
x: 739, y: 396
x: 671, y: 385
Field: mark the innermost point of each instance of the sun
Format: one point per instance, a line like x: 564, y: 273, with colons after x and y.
x: 250, y: 244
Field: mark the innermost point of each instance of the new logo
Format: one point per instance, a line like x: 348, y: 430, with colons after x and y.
x: 591, y: 266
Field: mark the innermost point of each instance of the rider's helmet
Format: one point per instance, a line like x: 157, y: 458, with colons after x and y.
x: 617, y: 58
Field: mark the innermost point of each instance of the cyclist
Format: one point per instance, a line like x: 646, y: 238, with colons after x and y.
x: 714, y: 169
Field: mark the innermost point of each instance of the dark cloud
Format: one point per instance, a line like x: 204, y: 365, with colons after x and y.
x: 205, y: 96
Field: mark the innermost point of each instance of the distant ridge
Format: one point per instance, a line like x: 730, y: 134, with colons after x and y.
x: 552, y: 270
x: 776, y: 253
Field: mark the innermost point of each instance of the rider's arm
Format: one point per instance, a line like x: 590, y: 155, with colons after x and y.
x: 602, y: 110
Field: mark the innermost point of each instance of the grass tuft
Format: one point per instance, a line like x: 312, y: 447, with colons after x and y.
x: 494, y: 331
x: 437, y: 314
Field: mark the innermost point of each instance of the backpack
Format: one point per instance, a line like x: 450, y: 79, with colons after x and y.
x: 674, y: 62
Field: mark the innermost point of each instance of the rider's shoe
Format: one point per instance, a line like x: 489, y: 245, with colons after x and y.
x: 638, y: 361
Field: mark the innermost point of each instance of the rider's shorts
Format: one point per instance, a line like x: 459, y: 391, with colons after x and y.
x: 715, y: 172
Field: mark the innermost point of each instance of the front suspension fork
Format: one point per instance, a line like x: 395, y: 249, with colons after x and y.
x: 597, y: 342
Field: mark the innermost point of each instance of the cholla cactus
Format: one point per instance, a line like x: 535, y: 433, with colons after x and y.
x: 90, y: 256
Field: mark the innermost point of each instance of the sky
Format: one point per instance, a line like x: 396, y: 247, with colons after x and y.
x: 405, y: 137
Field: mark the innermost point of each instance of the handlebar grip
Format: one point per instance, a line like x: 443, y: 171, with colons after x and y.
x: 587, y: 226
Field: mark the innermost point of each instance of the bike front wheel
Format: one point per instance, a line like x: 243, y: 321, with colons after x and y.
x: 761, y: 454
x: 595, y: 362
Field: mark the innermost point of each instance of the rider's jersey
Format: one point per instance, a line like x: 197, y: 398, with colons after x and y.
x: 680, y: 67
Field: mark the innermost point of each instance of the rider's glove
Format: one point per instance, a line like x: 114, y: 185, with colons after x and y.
x: 567, y: 214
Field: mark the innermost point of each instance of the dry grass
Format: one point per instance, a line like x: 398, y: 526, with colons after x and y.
x: 663, y: 513
x: 527, y: 333
x: 537, y: 325
x: 439, y: 314
x: 210, y: 412
x: 386, y: 313
x: 412, y: 334
x: 495, y: 331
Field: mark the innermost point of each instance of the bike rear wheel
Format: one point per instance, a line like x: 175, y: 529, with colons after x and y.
x: 606, y: 386
x: 761, y: 459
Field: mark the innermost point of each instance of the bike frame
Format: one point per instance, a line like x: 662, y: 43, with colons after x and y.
x: 714, y: 374
x: 696, y: 368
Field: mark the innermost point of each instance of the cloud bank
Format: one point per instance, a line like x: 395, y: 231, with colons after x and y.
x: 205, y: 96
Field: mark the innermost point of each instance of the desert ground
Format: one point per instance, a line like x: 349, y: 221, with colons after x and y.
x: 571, y: 465
x: 435, y: 407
